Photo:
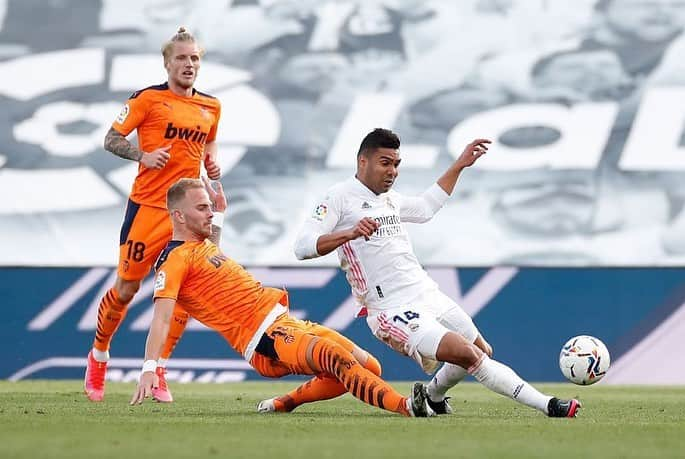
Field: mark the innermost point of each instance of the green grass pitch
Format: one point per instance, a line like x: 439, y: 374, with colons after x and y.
x: 53, y: 419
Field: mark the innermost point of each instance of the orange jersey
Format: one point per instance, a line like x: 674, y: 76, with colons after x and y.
x: 163, y: 118
x: 215, y: 290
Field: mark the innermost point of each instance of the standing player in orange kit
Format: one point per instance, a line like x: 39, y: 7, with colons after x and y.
x: 253, y: 319
x: 177, y: 128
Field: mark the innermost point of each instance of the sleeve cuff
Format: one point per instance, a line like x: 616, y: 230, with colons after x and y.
x: 305, y: 247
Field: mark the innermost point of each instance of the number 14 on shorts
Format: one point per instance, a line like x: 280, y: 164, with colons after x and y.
x: 408, y: 315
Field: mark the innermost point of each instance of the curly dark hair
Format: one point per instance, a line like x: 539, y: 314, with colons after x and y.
x: 378, y: 138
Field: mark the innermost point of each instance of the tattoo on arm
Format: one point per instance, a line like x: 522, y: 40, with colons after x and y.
x: 215, y: 237
x: 117, y: 144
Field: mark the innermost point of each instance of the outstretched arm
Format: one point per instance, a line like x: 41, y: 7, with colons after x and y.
x: 159, y: 327
x: 468, y: 157
x: 420, y: 209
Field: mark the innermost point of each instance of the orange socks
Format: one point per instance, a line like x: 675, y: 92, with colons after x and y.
x: 111, y: 313
x: 334, y: 360
x: 318, y: 388
x: 321, y: 387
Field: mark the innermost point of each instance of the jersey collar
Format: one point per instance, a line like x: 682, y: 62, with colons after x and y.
x: 364, y: 189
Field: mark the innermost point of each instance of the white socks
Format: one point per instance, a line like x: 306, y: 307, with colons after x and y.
x: 100, y: 356
x: 493, y: 375
x: 447, y: 377
x: 503, y: 380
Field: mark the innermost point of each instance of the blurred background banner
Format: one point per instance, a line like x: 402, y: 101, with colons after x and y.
x: 527, y: 314
x: 584, y: 100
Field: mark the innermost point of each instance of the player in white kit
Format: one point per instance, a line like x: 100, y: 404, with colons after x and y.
x: 362, y: 219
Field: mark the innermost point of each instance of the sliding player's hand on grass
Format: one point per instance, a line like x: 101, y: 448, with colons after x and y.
x: 148, y: 380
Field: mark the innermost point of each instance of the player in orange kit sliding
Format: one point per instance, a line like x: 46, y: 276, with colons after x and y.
x: 253, y: 319
x: 177, y: 128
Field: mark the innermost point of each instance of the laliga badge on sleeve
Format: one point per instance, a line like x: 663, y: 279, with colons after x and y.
x: 320, y: 212
x: 160, y: 281
x: 123, y: 114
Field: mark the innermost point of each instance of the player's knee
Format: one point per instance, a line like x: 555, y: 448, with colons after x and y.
x: 126, y: 289
x: 455, y: 349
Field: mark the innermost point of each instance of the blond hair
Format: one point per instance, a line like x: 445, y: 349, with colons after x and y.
x: 177, y: 191
x: 182, y: 35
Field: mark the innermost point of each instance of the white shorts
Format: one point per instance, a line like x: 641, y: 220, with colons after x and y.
x: 416, y: 329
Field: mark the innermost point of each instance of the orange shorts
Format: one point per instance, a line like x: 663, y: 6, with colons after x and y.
x: 144, y: 234
x: 282, y: 350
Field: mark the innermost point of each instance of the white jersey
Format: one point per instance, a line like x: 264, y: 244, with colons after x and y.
x: 383, y: 271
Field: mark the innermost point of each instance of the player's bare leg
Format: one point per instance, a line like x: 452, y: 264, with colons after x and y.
x: 447, y: 377
x: 499, y: 378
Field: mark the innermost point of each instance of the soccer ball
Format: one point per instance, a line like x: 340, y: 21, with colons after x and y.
x: 584, y: 360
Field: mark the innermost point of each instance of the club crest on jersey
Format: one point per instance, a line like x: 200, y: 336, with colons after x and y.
x: 123, y: 114
x: 160, y: 281
x: 320, y: 212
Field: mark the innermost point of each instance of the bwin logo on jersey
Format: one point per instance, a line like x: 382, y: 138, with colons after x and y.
x: 194, y: 135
